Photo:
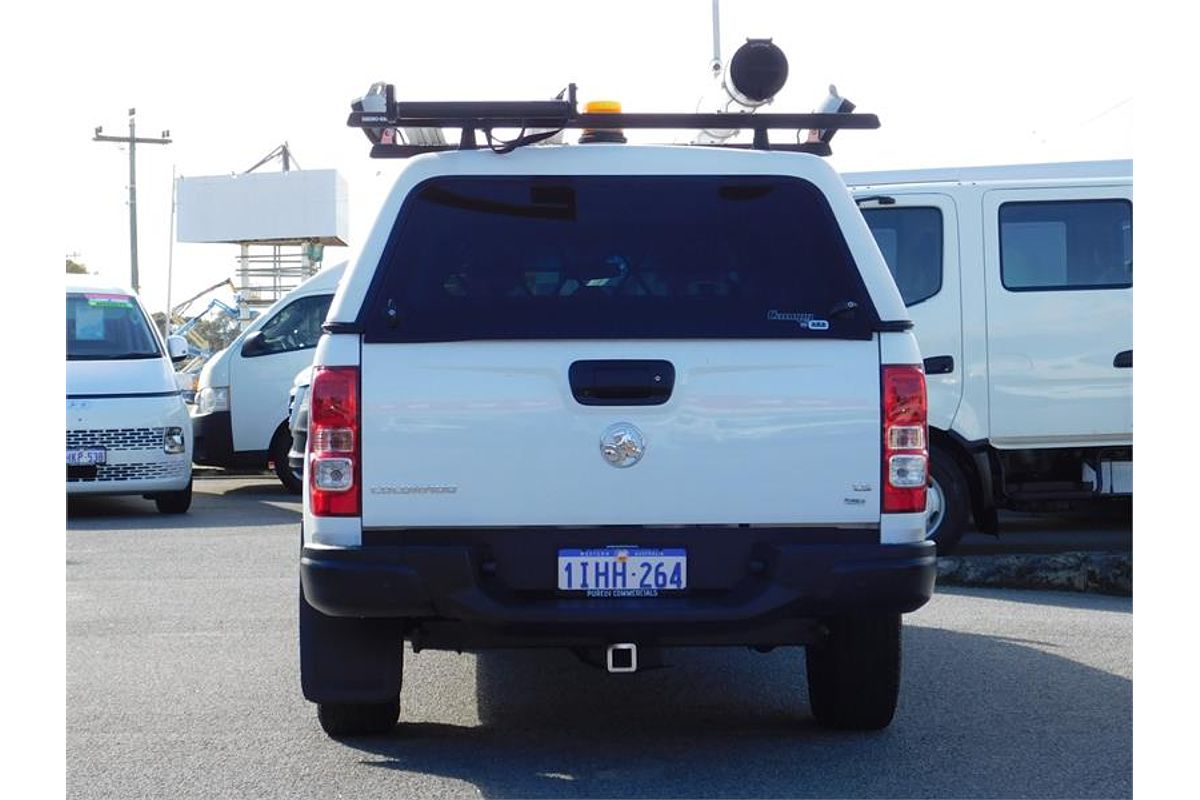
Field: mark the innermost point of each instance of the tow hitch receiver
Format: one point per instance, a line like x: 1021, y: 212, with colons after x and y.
x: 622, y: 657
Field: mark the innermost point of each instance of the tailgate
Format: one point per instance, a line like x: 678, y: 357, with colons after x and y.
x: 491, y: 434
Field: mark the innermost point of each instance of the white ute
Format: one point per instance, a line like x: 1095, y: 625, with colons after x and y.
x: 613, y: 398
x: 127, y: 427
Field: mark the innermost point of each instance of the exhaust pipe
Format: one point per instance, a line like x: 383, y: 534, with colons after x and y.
x: 622, y: 657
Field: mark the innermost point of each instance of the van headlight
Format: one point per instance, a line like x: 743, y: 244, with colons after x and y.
x: 212, y: 398
x: 173, y: 441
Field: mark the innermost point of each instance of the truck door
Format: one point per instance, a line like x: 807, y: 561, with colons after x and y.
x: 918, y: 236
x: 1059, y: 269
x: 260, y: 377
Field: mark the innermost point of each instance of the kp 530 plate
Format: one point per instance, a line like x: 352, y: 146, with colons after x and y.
x: 87, y: 457
x: 622, y: 571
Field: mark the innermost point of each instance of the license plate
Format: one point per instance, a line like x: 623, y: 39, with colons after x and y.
x: 622, y: 571
x: 86, y: 457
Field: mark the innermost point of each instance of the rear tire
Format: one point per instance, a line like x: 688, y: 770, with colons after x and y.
x: 279, y: 455
x: 854, y: 675
x: 358, y: 719
x: 174, y: 502
x: 948, y: 503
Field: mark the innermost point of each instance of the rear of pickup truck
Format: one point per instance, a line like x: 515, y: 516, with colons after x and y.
x: 614, y: 399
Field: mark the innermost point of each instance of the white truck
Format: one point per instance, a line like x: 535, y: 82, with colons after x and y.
x: 612, y: 398
x: 1019, y: 280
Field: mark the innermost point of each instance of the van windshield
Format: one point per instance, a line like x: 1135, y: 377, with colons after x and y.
x: 107, y: 327
x: 605, y: 257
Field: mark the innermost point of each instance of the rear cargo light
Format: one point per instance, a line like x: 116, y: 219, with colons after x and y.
x: 905, y: 439
x: 333, y: 449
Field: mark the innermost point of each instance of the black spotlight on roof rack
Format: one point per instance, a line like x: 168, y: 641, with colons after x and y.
x: 757, y: 71
x: 381, y: 116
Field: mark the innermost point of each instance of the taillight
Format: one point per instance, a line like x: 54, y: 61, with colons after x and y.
x: 334, y: 466
x: 905, y: 439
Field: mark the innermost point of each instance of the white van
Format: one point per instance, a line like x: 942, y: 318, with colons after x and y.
x: 1019, y: 280
x: 127, y: 428
x: 241, y: 410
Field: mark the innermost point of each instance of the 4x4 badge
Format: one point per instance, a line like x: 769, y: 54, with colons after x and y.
x: 622, y: 444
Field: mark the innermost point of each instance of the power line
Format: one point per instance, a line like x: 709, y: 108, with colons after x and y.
x: 1107, y: 111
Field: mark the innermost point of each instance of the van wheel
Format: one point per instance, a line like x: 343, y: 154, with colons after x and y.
x: 854, y: 675
x: 174, y: 502
x: 358, y: 719
x: 947, y: 501
x: 291, y: 480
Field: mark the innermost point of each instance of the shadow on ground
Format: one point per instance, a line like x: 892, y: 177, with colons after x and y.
x: 241, y: 506
x: 979, y: 717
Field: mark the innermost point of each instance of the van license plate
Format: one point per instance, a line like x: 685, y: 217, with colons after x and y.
x: 622, y: 571
x: 87, y: 457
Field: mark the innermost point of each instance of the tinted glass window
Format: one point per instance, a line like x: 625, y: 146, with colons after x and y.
x: 107, y: 327
x: 296, y: 326
x: 605, y: 257
x: 1067, y: 244
x: 910, y: 239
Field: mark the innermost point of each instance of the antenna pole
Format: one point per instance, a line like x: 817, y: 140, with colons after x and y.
x: 715, y: 64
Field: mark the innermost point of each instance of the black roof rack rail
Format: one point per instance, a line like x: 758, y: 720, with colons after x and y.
x: 379, y: 114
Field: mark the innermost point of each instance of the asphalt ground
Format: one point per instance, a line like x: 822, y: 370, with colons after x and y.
x: 182, y: 682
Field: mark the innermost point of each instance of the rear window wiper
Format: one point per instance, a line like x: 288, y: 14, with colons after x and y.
x: 841, y: 308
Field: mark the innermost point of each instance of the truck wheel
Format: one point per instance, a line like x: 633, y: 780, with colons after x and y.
x: 358, y: 719
x: 854, y: 675
x: 291, y: 480
x: 947, y: 501
x: 174, y: 502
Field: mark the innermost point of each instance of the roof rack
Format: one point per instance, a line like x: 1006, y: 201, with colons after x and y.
x: 380, y: 116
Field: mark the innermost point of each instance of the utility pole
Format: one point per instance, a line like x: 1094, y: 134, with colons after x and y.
x: 132, y: 141
x: 171, y: 249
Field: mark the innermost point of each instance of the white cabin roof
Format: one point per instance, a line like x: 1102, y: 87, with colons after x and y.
x: 1006, y: 172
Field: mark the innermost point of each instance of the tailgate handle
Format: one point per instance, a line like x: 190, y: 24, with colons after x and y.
x: 621, y: 382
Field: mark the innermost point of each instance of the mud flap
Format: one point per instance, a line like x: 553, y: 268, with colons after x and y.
x: 349, y: 659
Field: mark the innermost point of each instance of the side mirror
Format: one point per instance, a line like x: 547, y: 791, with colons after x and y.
x: 177, y: 348
x: 253, y: 345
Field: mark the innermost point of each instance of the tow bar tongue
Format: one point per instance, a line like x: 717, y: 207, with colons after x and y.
x: 622, y: 657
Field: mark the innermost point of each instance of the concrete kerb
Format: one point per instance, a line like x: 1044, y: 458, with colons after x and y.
x: 1104, y: 573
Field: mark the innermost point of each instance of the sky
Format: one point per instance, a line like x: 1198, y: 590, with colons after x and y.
x: 1025, y: 82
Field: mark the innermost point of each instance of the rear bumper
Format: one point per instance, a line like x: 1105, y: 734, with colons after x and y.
x: 499, y: 585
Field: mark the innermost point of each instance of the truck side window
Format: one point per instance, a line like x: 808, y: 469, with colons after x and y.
x: 910, y: 238
x: 1066, y: 244
x: 297, y: 326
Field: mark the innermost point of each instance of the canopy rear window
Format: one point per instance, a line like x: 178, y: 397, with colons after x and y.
x: 602, y: 257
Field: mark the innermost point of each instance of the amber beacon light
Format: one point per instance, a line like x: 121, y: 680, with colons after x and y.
x: 592, y: 135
